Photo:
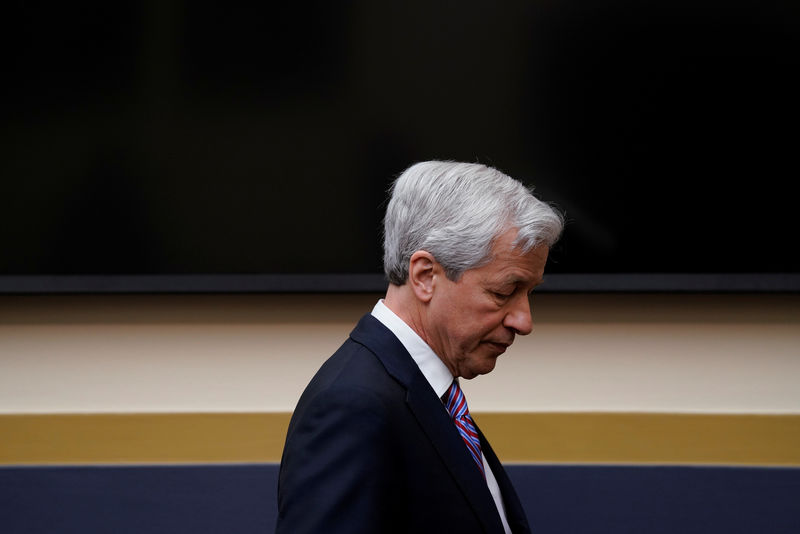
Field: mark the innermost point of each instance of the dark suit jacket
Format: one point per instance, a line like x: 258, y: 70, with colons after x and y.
x: 372, y: 449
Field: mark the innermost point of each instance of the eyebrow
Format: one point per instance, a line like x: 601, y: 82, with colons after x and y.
x: 517, y: 281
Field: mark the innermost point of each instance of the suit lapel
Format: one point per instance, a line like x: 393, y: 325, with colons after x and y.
x: 515, y: 513
x: 432, y: 417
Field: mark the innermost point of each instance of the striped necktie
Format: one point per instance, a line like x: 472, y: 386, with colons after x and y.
x: 457, y: 406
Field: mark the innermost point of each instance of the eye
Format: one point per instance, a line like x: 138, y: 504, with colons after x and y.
x: 502, y: 295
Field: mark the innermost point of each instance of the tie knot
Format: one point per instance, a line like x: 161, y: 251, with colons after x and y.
x: 456, y: 403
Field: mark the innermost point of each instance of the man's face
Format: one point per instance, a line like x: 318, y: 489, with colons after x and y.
x: 473, y: 321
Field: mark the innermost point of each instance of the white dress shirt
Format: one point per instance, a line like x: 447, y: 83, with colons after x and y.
x: 438, y: 376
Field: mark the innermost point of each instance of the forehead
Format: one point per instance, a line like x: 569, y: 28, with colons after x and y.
x: 528, y: 266
x: 510, y: 265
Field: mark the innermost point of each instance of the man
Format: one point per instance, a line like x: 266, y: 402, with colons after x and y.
x: 381, y: 440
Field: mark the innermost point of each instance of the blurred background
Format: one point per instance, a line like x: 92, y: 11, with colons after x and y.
x: 207, y: 138
x: 191, y: 201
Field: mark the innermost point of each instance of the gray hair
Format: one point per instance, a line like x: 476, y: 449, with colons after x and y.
x: 455, y: 211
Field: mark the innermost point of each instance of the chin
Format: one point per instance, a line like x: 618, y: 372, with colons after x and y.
x: 484, y: 369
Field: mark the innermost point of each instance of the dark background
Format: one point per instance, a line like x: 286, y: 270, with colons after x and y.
x: 175, y: 138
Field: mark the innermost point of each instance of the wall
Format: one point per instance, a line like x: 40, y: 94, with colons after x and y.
x: 605, y: 380
x: 254, y: 353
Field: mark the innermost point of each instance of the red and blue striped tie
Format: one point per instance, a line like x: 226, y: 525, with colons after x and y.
x: 457, y: 406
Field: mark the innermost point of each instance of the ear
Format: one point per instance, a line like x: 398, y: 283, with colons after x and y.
x: 422, y: 271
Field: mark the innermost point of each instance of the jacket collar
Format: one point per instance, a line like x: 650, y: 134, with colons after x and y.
x: 432, y: 367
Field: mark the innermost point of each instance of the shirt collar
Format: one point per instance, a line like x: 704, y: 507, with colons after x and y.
x: 433, y: 368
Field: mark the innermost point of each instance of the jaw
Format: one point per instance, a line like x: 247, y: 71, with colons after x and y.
x: 480, y: 362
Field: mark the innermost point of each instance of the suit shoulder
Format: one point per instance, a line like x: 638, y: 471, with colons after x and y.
x: 352, y: 374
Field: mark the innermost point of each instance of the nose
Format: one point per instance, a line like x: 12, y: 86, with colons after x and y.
x: 519, y: 317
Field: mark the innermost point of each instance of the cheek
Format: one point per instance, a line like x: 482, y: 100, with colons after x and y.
x: 469, y: 321
x: 472, y: 332
x: 462, y: 334
x: 487, y: 322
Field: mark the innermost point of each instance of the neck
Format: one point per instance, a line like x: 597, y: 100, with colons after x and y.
x: 401, y: 300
